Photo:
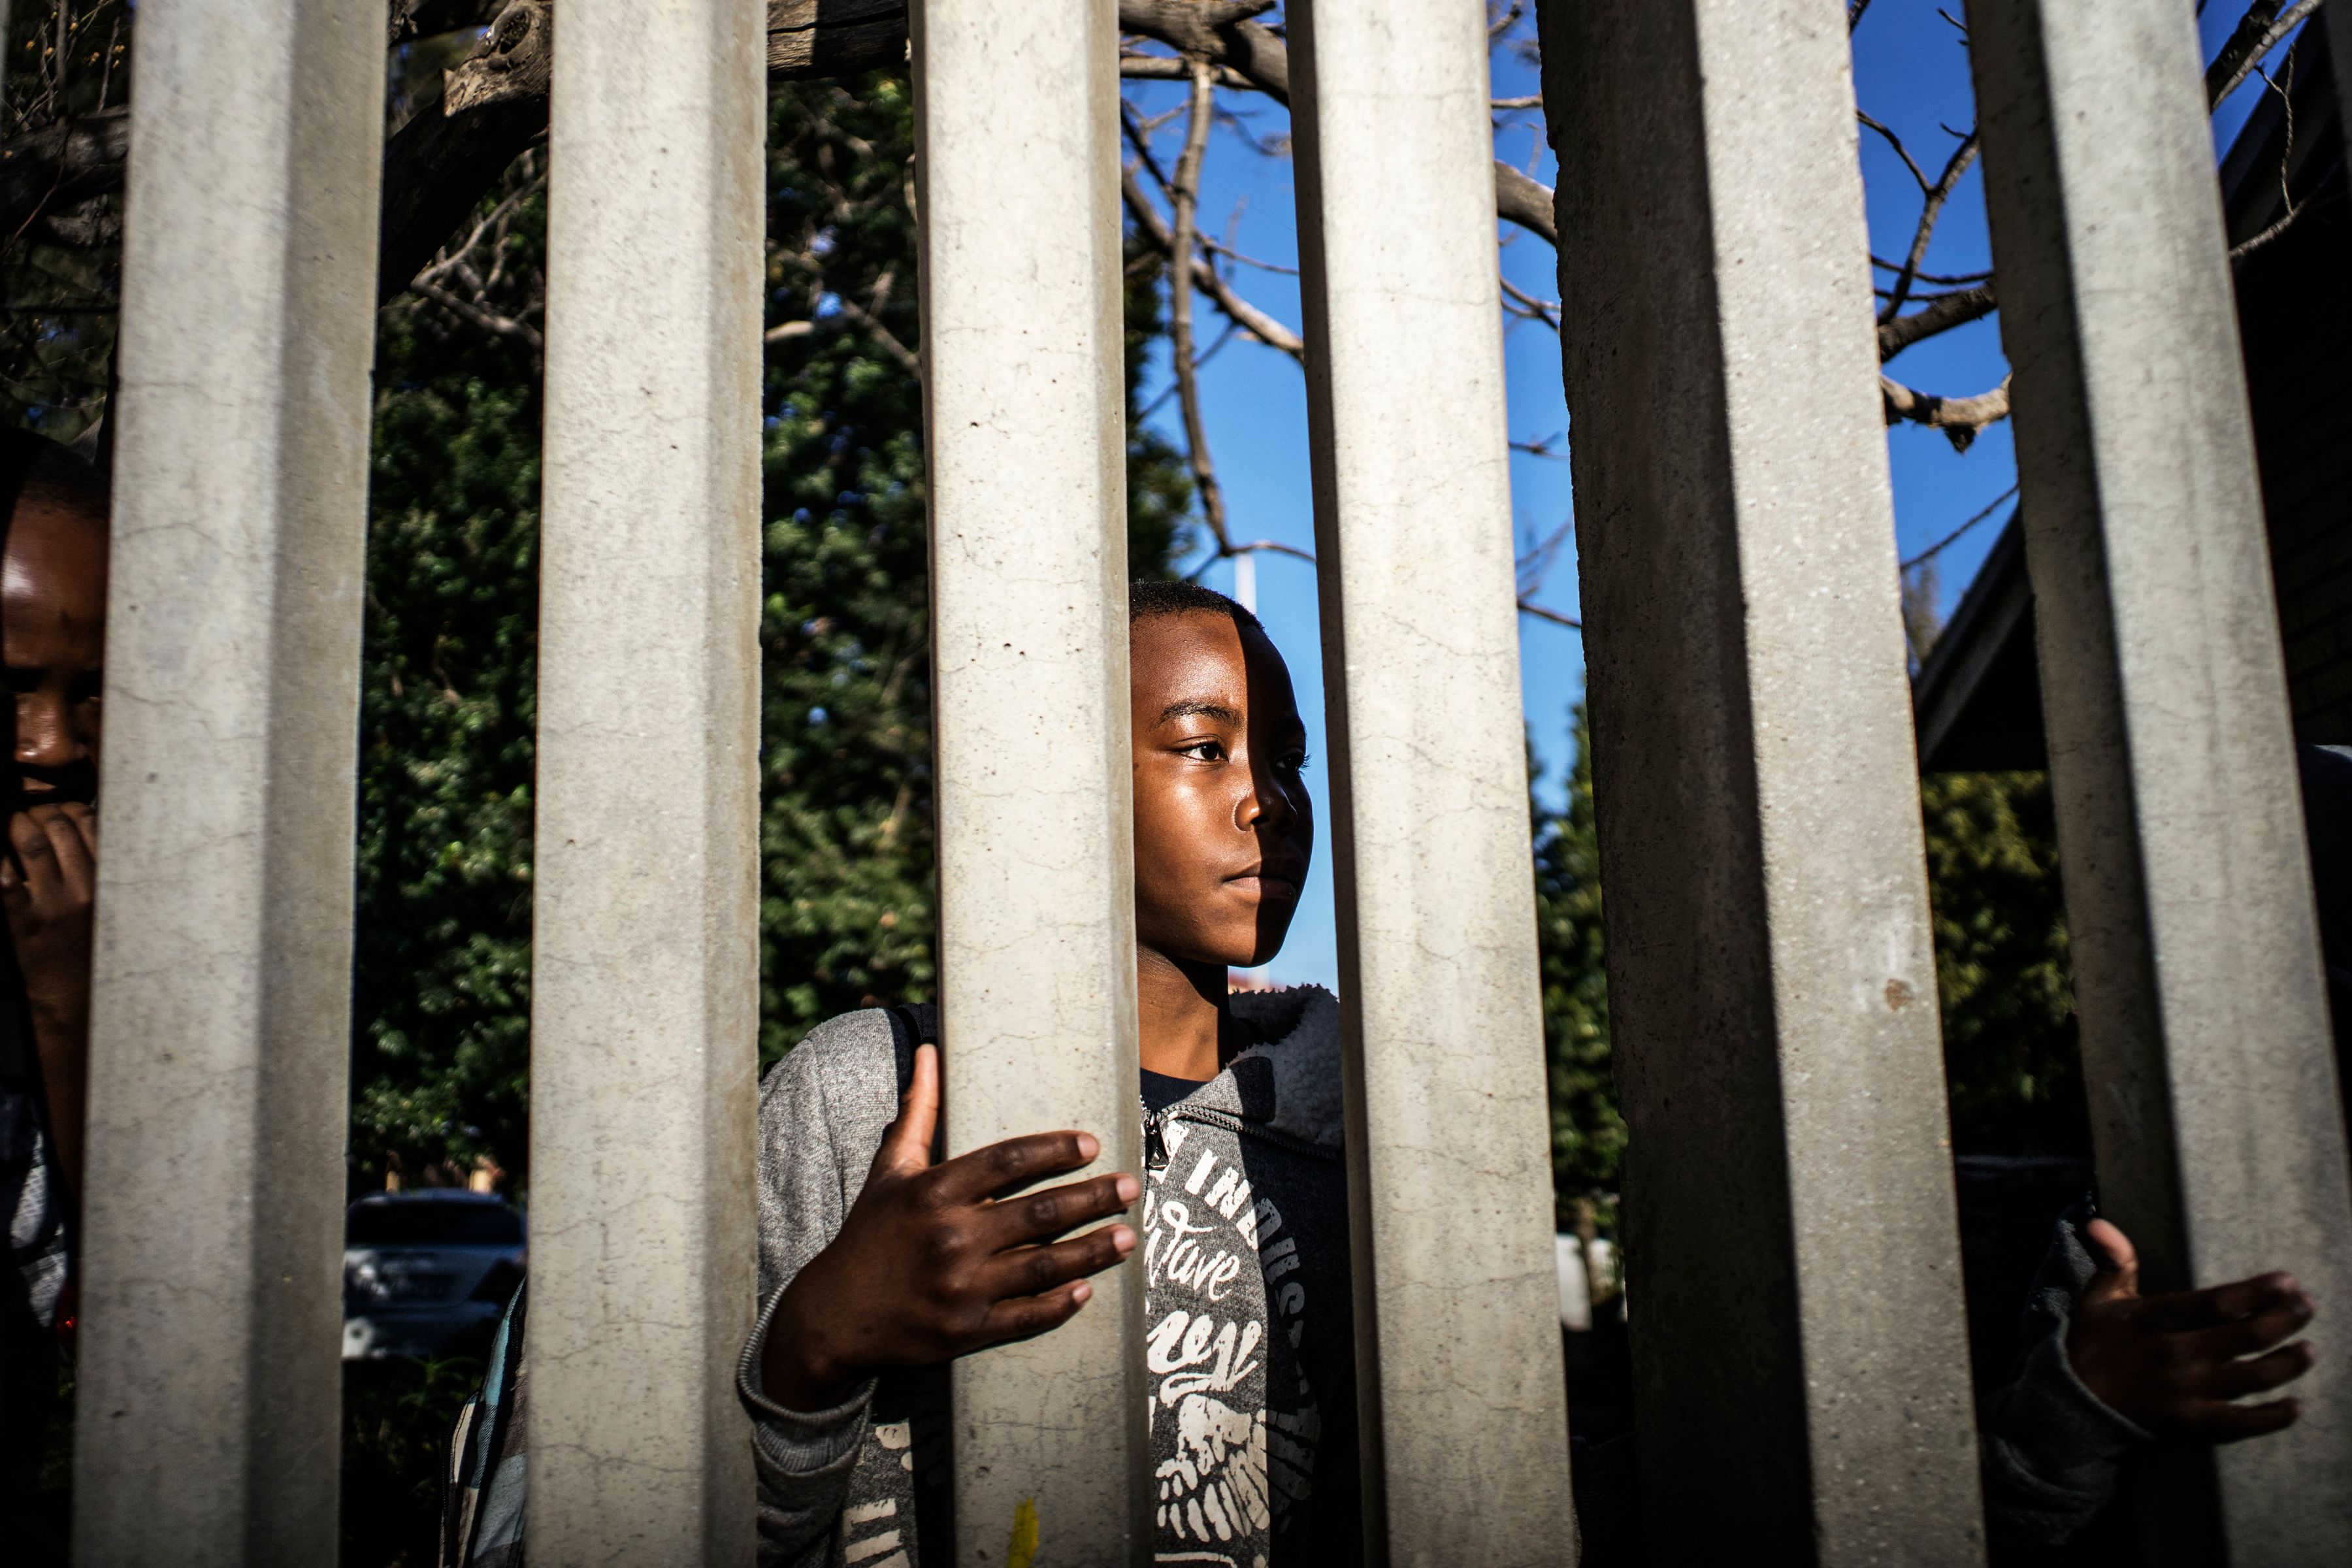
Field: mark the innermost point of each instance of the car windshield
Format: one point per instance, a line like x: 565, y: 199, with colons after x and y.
x: 428, y: 1223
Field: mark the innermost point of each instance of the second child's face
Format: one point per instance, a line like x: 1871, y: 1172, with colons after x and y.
x: 53, y: 639
x: 1223, y: 830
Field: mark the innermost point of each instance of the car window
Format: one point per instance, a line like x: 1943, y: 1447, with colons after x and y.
x: 432, y: 1224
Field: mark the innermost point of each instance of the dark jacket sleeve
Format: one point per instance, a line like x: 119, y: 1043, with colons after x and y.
x: 2054, y: 1455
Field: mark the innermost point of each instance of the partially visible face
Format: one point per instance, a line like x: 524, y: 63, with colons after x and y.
x: 53, y: 641
x: 1223, y: 830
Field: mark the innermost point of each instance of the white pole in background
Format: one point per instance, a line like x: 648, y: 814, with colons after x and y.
x: 220, y: 1017
x: 644, y: 957
x: 1457, y: 1336
x: 1025, y: 423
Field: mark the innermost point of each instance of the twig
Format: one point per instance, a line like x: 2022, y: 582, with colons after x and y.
x: 1253, y: 320
x: 1184, y: 195
x: 1952, y: 537
x: 1531, y: 308
x: 1940, y: 314
x: 1554, y: 617
x: 1959, y: 418
x: 1886, y: 266
x: 2258, y: 32
x: 1929, y: 211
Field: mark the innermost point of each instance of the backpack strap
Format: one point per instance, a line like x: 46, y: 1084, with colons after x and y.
x: 911, y: 1025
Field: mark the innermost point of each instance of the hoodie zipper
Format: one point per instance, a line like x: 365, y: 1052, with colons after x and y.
x: 1155, y: 1132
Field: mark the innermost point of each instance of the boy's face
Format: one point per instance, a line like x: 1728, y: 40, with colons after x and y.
x: 1223, y: 830
x: 53, y: 640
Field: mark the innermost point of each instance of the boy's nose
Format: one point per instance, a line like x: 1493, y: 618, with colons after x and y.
x: 45, y: 735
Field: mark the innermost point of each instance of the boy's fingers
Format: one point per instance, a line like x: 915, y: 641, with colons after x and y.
x: 1027, y: 1317
x: 1037, y: 1216
x: 2219, y: 1423
x: 67, y: 845
x: 1034, y: 1271
x: 2118, y: 1261
x: 2281, y: 1320
x: 33, y: 856
x: 907, y: 1146
x: 2236, y: 1379
x: 2181, y: 1311
x: 84, y: 818
x: 1015, y: 1163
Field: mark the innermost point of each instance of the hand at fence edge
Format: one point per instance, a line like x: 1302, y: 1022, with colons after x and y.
x: 49, y: 890
x: 934, y: 1261
x: 2175, y: 1364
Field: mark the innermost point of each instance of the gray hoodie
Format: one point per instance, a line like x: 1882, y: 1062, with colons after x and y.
x: 1249, y: 1326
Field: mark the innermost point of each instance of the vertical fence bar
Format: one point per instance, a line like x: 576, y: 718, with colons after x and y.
x: 645, y: 963
x: 2197, y: 967
x: 220, y: 1017
x: 1016, y: 134
x: 1791, y: 1240
x: 1464, y: 1430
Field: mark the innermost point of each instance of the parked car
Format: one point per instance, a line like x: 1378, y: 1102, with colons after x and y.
x: 423, y: 1270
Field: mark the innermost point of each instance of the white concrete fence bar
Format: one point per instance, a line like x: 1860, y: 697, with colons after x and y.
x: 1016, y: 133
x: 212, y: 1260
x: 1791, y: 1234
x: 2197, y: 967
x: 644, y: 948
x: 1463, y: 1431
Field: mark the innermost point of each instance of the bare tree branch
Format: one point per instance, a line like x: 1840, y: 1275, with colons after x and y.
x: 1959, y: 418
x: 1931, y: 210
x: 1528, y: 607
x: 2258, y: 31
x: 1248, y: 317
x: 1184, y: 192
x: 1940, y: 314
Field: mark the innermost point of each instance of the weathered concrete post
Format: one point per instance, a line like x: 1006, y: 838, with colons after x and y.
x: 1465, y: 1432
x: 1791, y: 1242
x: 1018, y: 134
x: 2197, y: 968
x: 645, y: 972
x: 221, y: 1019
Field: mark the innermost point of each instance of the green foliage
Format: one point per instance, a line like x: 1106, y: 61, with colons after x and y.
x: 1587, y: 1135
x: 442, y: 960
x: 846, y: 906
x: 59, y: 274
x: 2001, y: 967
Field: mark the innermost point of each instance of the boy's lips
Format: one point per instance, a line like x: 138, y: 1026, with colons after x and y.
x: 1269, y: 882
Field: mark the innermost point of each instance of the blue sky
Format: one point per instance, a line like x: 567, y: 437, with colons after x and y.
x: 1911, y: 73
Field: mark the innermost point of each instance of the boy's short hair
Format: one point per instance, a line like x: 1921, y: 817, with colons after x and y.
x: 33, y: 466
x: 1147, y: 600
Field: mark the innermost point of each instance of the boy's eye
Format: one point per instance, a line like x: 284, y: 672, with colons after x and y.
x: 1205, y: 750
x: 1296, y: 762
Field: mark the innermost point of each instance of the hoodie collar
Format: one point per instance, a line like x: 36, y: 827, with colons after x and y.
x: 1291, y: 1082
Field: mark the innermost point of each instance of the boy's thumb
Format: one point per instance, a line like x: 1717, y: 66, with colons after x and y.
x: 2118, y: 1261
x: 907, y: 1146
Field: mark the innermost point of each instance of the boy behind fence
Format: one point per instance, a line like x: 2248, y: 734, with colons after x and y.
x: 879, y: 1264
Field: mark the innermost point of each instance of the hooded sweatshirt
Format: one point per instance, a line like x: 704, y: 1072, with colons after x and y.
x: 1249, y: 1326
